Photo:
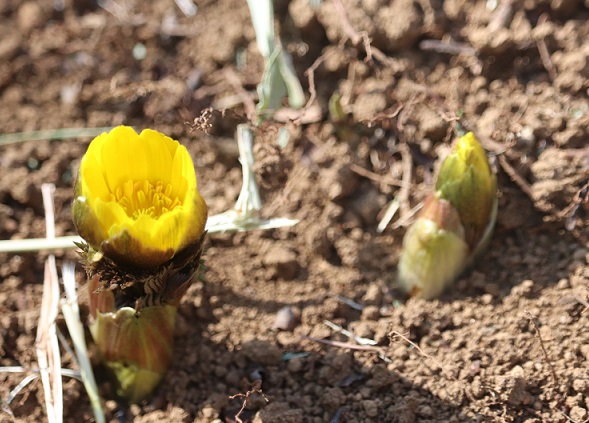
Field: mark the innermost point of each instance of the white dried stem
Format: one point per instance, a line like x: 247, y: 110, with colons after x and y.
x: 47, y: 344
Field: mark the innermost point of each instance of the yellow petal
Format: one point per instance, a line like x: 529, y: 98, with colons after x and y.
x: 159, y: 150
x: 93, y: 179
x: 123, y: 157
x: 183, y: 175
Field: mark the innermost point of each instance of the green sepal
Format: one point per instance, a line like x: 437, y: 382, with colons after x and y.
x: 136, y: 346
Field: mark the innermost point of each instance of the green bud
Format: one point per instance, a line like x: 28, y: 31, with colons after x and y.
x: 454, y: 225
x: 466, y: 181
x: 434, y: 251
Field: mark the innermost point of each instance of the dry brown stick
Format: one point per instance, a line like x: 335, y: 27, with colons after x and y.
x: 577, y: 200
x: 571, y: 419
x: 516, y: 177
x: 423, y: 353
x: 310, y: 73
x: 544, y: 53
x: 348, y: 28
x: 356, y: 37
x: 375, y: 176
x: 256, y: 390
x: 248, y: 102
x: 384, y: 115
x: 548, y: 360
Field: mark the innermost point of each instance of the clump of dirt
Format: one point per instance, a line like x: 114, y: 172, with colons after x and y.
x: 507, y: 343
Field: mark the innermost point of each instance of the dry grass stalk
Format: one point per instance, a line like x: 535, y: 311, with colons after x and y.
x: 47, y: 344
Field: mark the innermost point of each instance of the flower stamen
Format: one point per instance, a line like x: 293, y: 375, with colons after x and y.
x: 145, y: 198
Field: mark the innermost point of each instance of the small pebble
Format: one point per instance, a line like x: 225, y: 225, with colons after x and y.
x: 295, y: 364
x: 371, y: 313
x: 373, y: 295
x: 425, y: 411
x: 581, y: 386
x: 139, y: 51
x: 285, y: 319
x: 370, y: 408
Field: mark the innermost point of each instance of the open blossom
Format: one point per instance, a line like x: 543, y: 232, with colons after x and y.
x: 137, y: 199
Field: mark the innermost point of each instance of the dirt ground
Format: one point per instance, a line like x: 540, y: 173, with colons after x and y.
x: 508, y: 343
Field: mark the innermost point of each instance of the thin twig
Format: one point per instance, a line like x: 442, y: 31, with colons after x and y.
x: 339, y: 344
x: 350, y: 303
x: 350, y: 346
x: 351, y: 335
x: 583, y: 302
x: 384, y: 116
x: 516, y: 177
x: 347, y: 25
x: 22, y: 384
x: 255, y: 390
x: 248, y: 102
x: 375, y: 176
x: 28, y: 379
x: 544, y: 53
x: 310, y: 74
x: 356, y: 37
x: 582, y: 195
x: 548, y: 360
x: 423, y: 353
x: 570, y: 419
x: 38, y: 244
x: 338, y: 415
x: 448, y: 47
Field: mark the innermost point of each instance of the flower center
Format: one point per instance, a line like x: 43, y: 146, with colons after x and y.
x: 144, y: 197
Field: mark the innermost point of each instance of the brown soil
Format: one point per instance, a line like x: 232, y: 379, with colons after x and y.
x: 508, y: 343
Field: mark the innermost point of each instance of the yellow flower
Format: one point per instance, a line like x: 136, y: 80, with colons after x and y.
x: 136, y: 197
